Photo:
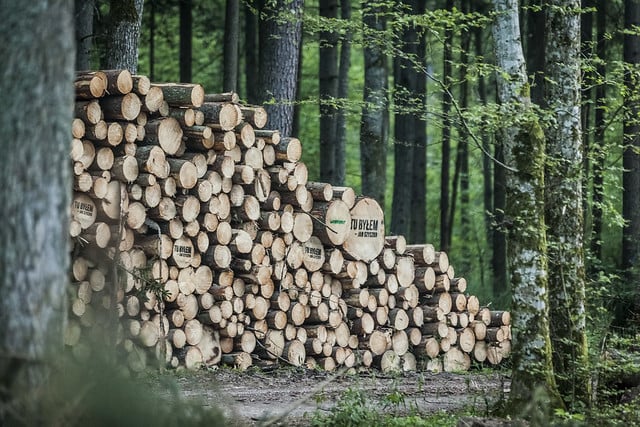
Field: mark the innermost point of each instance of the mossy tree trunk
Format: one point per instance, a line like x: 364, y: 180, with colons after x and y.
x: 37, y: 87
x: 524, y: 153
x: 563, y: 202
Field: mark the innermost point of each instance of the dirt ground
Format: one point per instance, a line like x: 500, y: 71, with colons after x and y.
x: 292, y: 395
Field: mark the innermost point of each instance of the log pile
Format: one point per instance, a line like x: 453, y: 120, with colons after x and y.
x: 201, y: 232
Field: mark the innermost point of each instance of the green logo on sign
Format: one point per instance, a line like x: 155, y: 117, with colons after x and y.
x: 337, y: 221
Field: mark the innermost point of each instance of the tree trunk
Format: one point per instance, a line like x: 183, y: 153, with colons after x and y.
x: 445, y: 235
x: 186, y: 30
x: 280, y: 37
x: 563, y: 205
x: 34, y: 258
x: 373, y: 130
x: 523, y: 145
x: 631, y: 158
x: 328, y: 91
x: 251, y: 54
x: 84, y: 33
x: 122, y: 35
x: 231, y: 37
x: 535, y: 38
x: 404, y: 80
x: 418, y: 206
x: 343, y: 94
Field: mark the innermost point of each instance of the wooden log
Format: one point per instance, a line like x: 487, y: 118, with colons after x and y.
x: 366, y: 236
x: 89, y: 111
x: 256, y: 115
x: 331, y: 222
x: 123, y: 107
x: 455, y: 360
x: 224, y: 115
x: 89, y: 85
x: 182, y: 94
x: 152, y: 159
x: 165, y: 132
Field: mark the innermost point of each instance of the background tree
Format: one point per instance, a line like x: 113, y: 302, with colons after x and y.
x: 231, y: 43
x: 280, y: 37
x: 524, y: 152
x: 405, y: 87
x: 563, y: 201
x: 373, y: 125
x: 84, y: 33
x: 122, y: 35
x: 447, y: 59
x: 36, y: 181
x: 631, y: 156
x: 328, y: 88
x: 343, y: 95
x: 186, y: 36
x: 251, y: 52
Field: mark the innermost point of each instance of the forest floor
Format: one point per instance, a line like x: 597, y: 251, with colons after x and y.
x: 287, y: 396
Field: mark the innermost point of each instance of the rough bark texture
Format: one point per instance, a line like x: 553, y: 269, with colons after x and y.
x: 404, y: 131
x: 251, y: 53
x: 523, y: 144
x: 280, y: 35
x: 534, y: 40
x: 35, y: 191
x: 186, y: 31
x: 563, y: 204
x: 328, y: 74
x: 122, y: 35
x: 631, y: 158
x: 231, y: 37
x: 343, y: 94
x: 445, y: 234
x: 419, y: 173
x: 373, y: 130
x: 84, y: 33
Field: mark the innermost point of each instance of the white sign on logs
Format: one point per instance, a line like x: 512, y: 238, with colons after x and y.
x: 366, y: 235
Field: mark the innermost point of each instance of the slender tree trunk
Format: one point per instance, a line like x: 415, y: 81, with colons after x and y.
x: 251, y: 50
x: 84, y: 33
x: 328, y: 73
x: 152, y: 41
x: 343, y: 95
x: 587, y: 50
x: 186, y: 30
x: 404, y: 131
x: 280, y: 37
x: 37, y: 89
x: 373, y: 129
x: 534, y: 40
x: 231, y: 41
x: 125, y: 17
x: 599, y: 149
x: 631, y: 158
x: 564, y: 215
x: 445, y: 241
x: 524, y: 151
x: 418, y: 207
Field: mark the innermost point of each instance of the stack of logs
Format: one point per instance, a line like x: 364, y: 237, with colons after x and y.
x: 201, y: 232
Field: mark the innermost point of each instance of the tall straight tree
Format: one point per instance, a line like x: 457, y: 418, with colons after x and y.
x: 447, y: 58
x: 328, y: 86
x: 84, y: 33
x: 524, y: 153
x: 405, y: 82
x: 231, y: 42
x: 343, y: 94
x: 186, y: 36
x: 123, y: 33
x: 563, y: 201
x: 373, y: 125
x: 631, y: 157
x: 418, y: 206
x: 37, y: 90
x: 534, y: 39
x: 251, y: 52
x: 280, y: 37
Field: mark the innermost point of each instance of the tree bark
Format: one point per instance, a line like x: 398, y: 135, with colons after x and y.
x: 563, y: 204
x: 373, y: 129
x: 231, y: 37
x: 280, y: 36
x: 328, y: 91
x: 251, y: 50
x: 122, y: 36
x: 630, y: 157
x: 84, y: 33
x: 445, y: 233
x: 343, y: 94
x: 523, y: 145
x: 34, y: 258
x: 186, y: 30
